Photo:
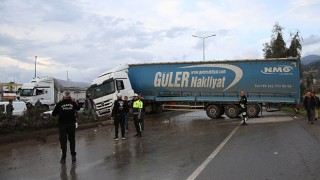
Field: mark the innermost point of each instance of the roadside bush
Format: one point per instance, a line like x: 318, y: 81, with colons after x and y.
x: 33, y: 120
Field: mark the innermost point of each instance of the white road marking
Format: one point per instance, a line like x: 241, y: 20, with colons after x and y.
x: 196, y: 173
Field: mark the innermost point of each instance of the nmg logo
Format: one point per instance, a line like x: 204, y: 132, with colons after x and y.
x: 280, y: 69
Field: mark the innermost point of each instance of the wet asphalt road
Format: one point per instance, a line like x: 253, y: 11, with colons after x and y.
x: 176, y: 145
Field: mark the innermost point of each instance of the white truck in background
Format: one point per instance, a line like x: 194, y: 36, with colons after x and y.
x: 50, y: 90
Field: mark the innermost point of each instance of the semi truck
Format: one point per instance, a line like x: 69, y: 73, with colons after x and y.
x: 213, y: 86
x: 50, y: 90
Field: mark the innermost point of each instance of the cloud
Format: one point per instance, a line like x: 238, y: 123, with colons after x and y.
x: 93, y: 36
x: 311, y: 40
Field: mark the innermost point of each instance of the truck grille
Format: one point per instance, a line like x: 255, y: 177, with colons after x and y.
x: 104, y: 108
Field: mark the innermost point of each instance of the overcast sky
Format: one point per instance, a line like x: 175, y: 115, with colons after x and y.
x: 87, y: 37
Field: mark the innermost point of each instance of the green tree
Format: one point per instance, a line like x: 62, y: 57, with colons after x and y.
x: 276, y: 48
x: 295, y: 46
x: 267, y: 50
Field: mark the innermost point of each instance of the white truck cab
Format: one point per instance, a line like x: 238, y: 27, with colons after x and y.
x: 38, y: 88
x: 103, y: 89
x: 50, y: 91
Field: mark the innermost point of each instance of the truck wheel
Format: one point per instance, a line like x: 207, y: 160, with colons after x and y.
x: 253, y: 110
x: 232, y: 111
x: 213, y: 111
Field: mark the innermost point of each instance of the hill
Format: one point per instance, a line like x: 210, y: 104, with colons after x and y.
x: 314, y: 69
x: 309, y: 59
x: 312, y: 66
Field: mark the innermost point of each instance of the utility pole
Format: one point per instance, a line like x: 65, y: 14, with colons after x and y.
x: 35, y: 66
x: 203, y: 47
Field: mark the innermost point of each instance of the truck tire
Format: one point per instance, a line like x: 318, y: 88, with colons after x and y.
x: 253, y: 110
x: 232, y: 111
x: 213, y: 111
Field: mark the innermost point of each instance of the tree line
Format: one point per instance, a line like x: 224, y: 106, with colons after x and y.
x: 277, y: 48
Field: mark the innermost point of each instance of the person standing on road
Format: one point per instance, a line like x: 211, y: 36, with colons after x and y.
x: 66, y: 109
x: 9, y: 109
x: 38, y: 104
x: 243, y: 106
x: 126, y: 117
x: 143, y: 111
x: 309, y: 103
x: 316, y: 110
x: 136, y: 111
x: 89, y: 108
x: 119, y: 111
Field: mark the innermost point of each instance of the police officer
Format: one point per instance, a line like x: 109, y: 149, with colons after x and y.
x: 143, y: 111
x: 243, y: 106
x: 136, y: 110
x: 119, y: 111
x: 66, y: 109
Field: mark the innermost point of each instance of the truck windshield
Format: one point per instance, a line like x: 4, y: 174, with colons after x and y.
x: 26, y: 92
x: 102, y: 90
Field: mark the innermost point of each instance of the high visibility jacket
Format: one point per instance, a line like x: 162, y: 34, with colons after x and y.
x: 137, y: 106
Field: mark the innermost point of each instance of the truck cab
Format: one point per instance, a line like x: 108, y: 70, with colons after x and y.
x: 38, y: 88
x: 103, y: 90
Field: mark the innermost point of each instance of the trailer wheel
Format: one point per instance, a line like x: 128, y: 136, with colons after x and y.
x: 213, y: 111
x: 232, y: 111
x: 253, y: 110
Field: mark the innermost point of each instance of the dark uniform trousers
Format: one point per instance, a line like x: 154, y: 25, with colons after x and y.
x: 119, y: 120
x: 67, y: 131
x: 137, y: 123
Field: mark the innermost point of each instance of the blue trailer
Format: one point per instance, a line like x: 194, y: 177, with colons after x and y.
x: 213, y: 85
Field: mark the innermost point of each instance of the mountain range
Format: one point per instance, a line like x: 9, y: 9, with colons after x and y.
x: 311, y: 64
x: 309, y: 59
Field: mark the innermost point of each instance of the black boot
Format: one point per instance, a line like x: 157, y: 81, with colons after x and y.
x: 63, y: 160
x: 73, y: 158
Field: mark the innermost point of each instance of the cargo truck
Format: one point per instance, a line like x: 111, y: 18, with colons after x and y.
x: 50, y: 90
x: 213, y: 86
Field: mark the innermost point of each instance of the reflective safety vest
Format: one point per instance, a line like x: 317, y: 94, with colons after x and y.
x: 138, y: 104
